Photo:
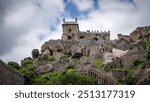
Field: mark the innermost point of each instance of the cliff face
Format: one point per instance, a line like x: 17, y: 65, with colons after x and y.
x: 9, y: 76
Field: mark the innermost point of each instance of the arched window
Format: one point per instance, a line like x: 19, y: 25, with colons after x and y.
x: 69, y: 30
x: 81, y: 37
x: 69, y: 38
x: 95, y: 38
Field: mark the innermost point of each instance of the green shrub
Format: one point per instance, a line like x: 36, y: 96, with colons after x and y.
x: 35, y: 53
x: 51, y: 58
x: 14, y: 65
x: 70, y: 67
x: 28, y: 71
x: 66, y: 77
x: 131, y: 80
x: 139, y: 63
x: 47, y: 58
x: 148, y: 56
x: 27, y: 62
x: 99, y: 64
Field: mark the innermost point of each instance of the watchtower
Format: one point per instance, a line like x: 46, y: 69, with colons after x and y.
x: 70, y: 30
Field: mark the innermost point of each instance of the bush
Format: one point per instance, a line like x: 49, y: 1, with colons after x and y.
x: 139, y: 63
x: 51, y: 58
x: 28, y: 71
x: 148, y: 56
x: 66, y: 77
x: 27, y: 62
x: 47, y: 58
x: 70, y: 67
x: 14, y: 65
x: 131, y: 80
x: 99, y: 64
x: 35, y: 53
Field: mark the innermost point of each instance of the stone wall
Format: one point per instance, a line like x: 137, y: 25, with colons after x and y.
x: 102, y: 77
x: 9, y: 76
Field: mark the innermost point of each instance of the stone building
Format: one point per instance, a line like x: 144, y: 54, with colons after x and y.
x: 71, y: 32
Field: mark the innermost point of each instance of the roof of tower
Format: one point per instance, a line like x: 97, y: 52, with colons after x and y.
x: 70, y: 22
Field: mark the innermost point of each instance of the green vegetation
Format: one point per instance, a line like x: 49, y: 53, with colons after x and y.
x: 146, y: 44
x: 139, y: 64
x: 51, y: 59
x: 99, y: 64
x: 148, y: 56
x: 35, y: 53
x: 66, y: 77
x: 70, y: 67
x: 129, y: 80
x: 27, y: 62
x: 28, y: 71
x: 14, y: 65
x: 48, y: 58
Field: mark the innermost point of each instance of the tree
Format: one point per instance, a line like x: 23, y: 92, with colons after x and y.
x: 14, y: 65
x: 35, y: 53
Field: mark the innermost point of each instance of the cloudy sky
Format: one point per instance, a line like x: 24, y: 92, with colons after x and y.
x: 27, y: 24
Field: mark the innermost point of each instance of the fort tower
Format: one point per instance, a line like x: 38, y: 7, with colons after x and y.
x: 70, y: 30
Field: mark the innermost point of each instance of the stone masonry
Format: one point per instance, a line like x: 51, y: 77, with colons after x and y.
x: 9, y: 76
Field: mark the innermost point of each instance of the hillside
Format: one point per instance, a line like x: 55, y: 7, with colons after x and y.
x: 89, y: 58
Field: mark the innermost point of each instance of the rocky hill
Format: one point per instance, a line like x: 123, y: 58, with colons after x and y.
x: 90, y: 58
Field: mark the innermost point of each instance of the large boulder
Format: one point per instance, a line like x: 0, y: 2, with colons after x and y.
x: 57, y: 55
x: 136, y: 35
x: 124, y: 38
x: 46, y: 52
x: 9, y: 76
x: 76, y: 51
x: 45, y: 69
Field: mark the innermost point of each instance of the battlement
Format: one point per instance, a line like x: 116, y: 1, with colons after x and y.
x: 71, y: 32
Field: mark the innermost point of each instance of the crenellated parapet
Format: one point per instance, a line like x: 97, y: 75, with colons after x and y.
x: 71, y: 32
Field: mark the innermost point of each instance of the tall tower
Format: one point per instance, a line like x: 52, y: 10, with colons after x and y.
x: 70, y: 30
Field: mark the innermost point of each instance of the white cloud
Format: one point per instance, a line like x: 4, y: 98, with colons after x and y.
x: 83, y: 5
x: 30, y: 20
x: 117, y: 16
x: 27, y: 21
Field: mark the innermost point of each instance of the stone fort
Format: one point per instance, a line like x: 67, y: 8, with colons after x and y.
x: 71, y: 32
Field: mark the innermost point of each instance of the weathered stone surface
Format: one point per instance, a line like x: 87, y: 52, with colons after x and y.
x: 136, y: 35
x: 76, y: 51
x: 45, y: 69
x: 138, y: 73
x: 145, y: 80
x: 46, y: 52
x: 57, y: 55
x: 91, y: 46
x: 95, y: 57
x: 85, y: 60
x: 119, y: 74
x: 9, y: 76
x: 124, y: 38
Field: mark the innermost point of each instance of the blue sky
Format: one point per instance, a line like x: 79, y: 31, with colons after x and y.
x: 71, y: 8
x: 27, y: 24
